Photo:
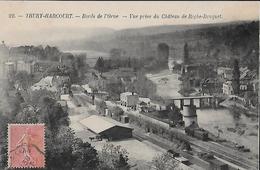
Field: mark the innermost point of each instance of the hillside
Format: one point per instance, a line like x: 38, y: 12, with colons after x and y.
x: 214, y: 42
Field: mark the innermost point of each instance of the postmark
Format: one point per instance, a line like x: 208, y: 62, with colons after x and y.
x: 26, y: 146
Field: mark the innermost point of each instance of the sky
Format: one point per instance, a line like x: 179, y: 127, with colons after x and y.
x: 25, y: 30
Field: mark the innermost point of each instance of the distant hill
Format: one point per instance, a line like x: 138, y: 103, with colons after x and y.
x: 206, y: 42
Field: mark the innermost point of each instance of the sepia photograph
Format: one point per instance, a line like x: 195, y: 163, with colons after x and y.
x: 129, y: 85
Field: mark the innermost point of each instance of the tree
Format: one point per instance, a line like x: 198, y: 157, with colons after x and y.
x: 236, y: 77
x: 121, y: 163
x: 163, y: 51
x: 115, y: 53
x: 52, y: 114
x: 4, y: 120
x: 117, y: 112
x: 174, y: 114
x: 59, y: 148
x: 52, y: 53
x: 186, y: 54
x: 23, y: 79
x: 38, y: 95
x: 100, y: 65
x: 101, y: 106
x: 29, y: 114
x: 164, y: 162
x: 129, y: 62
x: 84, y: 156
x: 81, y: 65
x: 113, y: 157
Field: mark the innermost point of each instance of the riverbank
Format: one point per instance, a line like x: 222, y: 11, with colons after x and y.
x: 213, y: 120
x: 238, y: 108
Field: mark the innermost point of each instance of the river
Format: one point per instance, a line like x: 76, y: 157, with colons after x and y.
x: 168, y: 86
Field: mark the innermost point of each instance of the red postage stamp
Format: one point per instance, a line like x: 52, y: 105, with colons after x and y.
x: 26, y: 146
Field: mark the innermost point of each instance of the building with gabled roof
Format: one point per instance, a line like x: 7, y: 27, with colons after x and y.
x: 107, y: 128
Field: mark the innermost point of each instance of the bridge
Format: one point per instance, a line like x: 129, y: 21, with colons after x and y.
x: 203, y: 101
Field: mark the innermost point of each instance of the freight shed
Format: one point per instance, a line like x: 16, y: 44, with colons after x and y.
x: 107, y: 128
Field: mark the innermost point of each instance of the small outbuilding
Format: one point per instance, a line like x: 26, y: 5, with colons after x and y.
x: 107, y: 128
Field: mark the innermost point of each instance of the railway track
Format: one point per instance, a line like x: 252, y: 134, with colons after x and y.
x: 221, y: 151
x: 228, y: 154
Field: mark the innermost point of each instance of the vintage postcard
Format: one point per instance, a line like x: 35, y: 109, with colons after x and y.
x: 129, y: 85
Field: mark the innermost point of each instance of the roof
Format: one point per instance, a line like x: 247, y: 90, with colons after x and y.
x: 99, y: 124
x: 128, y: 93
x: 228, y: 83
x: 86, y: 87
x: 142, y: 103
x: 159, y: 103
x: 181, y: 159
x: 44, y: 83
x: 9, y: 63
x: 145, y: 100
x: 224, y: 68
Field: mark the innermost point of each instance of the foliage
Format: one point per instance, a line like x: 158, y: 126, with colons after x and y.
x: 52, y: 114
x: 236, y: 77
x: 100, y: 65
x: 47, y: 53
x: 186, y: 54
x: 164, y: 162
x: 59, y: 148
x: 113, y: 157
x: 81, y: 66
x: 163, y: 52
x: 84, y: 155
x: 117, y: 112
x: 174, y: 113
x: 28, y: 114
x: 114, y: 88
x: 63, y: 151
x: 23, y: 79
x: 101, y: 106
x: 4, y: 120
x: 116, y: 53
x: 144, y: 87
x: 38, y: 95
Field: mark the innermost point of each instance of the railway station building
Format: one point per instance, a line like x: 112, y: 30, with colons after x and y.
x: 107, y: 128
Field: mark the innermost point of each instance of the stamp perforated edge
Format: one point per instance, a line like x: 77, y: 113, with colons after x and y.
x: 44, y: 144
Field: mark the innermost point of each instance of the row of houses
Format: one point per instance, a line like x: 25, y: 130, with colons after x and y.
x: 133, y: 101
x: 30, y: 66
x: 248, y: 80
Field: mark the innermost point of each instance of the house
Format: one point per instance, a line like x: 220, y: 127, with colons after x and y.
x: 76, y: 89
x: 43, y: 65
x: 227, y: 88
x: 9, y: 67
x: 145, y: 100
x: 225, y: 72
x: 144, y: 105
x: 25, y: 65
x: 211, y: 85
x: 87, y: 88
x: 255, y: 85
x: 107, y: 128
x: 129, y: 99
x: 158, y: 106
x: 246, y: 78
